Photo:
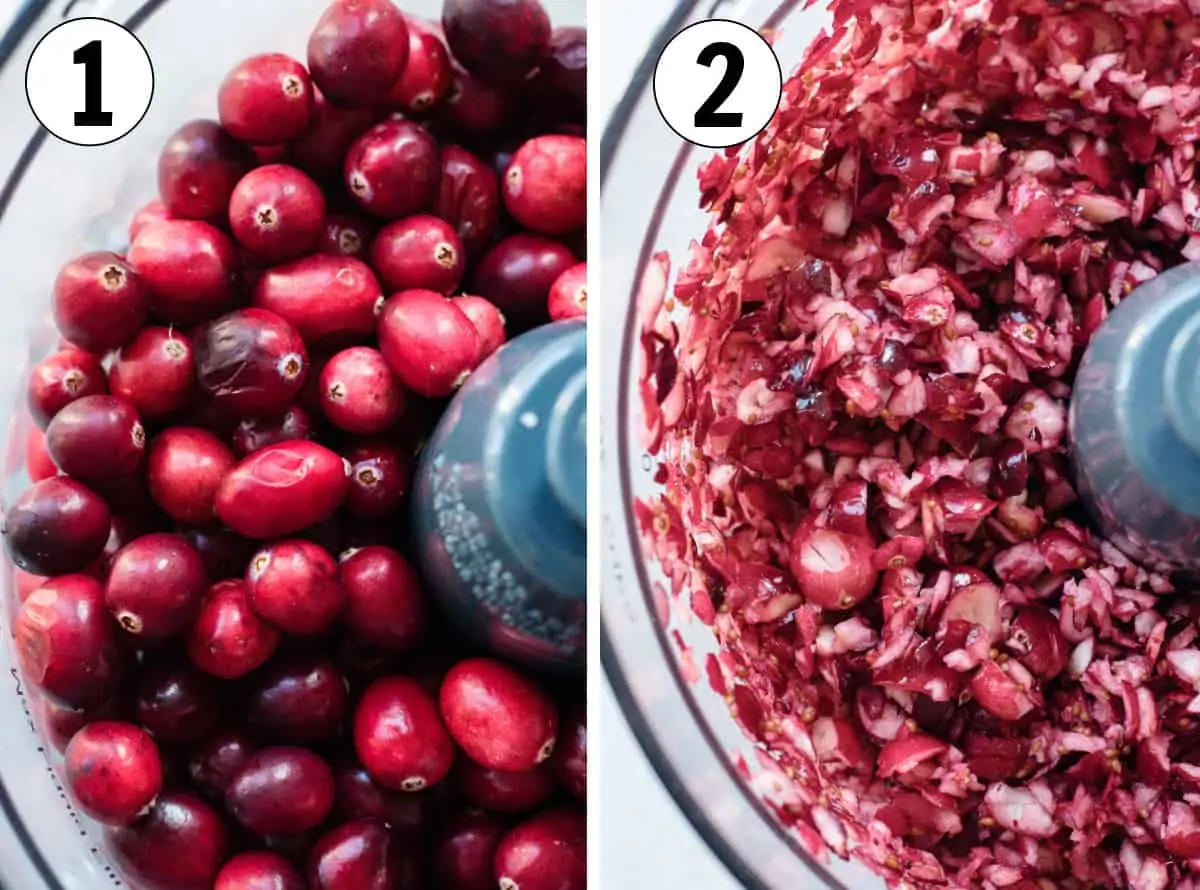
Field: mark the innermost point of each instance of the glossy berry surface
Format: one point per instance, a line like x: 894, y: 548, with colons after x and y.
x: 56, y: 526
x: 179, y: 845
x: 154, y: 585
x: 113, y: 771
x: 399, y: 735
x: 99, y: 301
x: 266, y: 99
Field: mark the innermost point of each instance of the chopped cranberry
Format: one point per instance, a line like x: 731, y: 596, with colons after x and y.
x: 568, y: 294
x: 113, y: 771
x: 833, y: 569
x: 488, y: 321
x: 154, y: 585
x: 99, y: 301
x: 176, y: 703
x: 281, y: 790
x: 386, y: 603
x: 179, y: 845
x: 155, y: 372
x: 462, y: 857
x: 546, y: 852
x: 428, y: 342
x: 298, y: 698
x: 360, y: 855
x: 345, y: 235
x: 468, y: 198
x: 281, y: 489
x: 502, y: 791
x: 393, y: 169
x: 420, y: 252
x: 327, y: 299
x: 266, y: 99
x: 185, y: 467
x: 399, y: 735
x: 56, y: 526
x: 277, y: 213
x: 214, y: 763
x: 253, y: 434
x: 359, y: 394
x: 190, y: 268
x: 500, y: 40
x: 60, y: 379
x: 259, y: 871
x: 294, y: 585
x: 197, y: 170
x: 252, y: 362
x: 358, y: 50
x: 321, y: 149
x: 569, y: 762
x: 97, y: 439
x: 518, y: 272
x: 545, y: 185
x: 226, y: 638
x: 427, y: 77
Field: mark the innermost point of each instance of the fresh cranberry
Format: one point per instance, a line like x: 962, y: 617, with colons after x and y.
x: 113, y: 771
x: 266, y: 99
x: 154, y: 585
x: 393, y: 169
x: 97, y: 439
x: 180, y: 845
x: 26, y: 583
x: 568, y: 294
x: 66, y: 643
x: 225, y: 554
x: 298, y: 698
x: 462, y: 856
x: 259, y: 871
x: 359, y: 393
x: 185, y: 467
x: 468, y: 198
x: 190, y: 267
x: 152, y: 212
x: 252, y: 362
x: 569, y: 762
x: 419, y: 252
x: 99, y: 301
x: 59, y: 723
x: 386, y: 603
x: 58, y: 380
x: 38, y: 462
x: 56, y: 526
x: 545, y: 186
x: 360, y: 855
x: 475, y: 109
x: 488, y: 321
x: 501, y: 791
x: 277, y: 213
x: 294, y: 585
x: 428, y: 342
x: 226, y: 638
x: 357, y: 50
x: 197, y: 170
x: 327, y: 299
x: 281, y: 790
x: 213, y: 764
x: 379, y: 478
x: 427, y: 77
x: 517, y: 273
x: 399, y: 736
x: 155, y: 372
x: 253, y: 434
x: 358, y: 797
x: 321, y: 149
x: 559, y: 87
x: 546, y: 852
x: 345, y: 236
x: 177, y: 703
x: 500, y: 718
x: 498, y: 40
x: 281, y: 489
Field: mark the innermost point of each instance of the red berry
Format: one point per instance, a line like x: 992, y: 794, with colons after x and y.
x: 197, y: 170
x: 177, y: 703
x: 500, y: 791
x: 321, y: 149
x: 59, y: 723
x: 259, y: 871
x: 154, y: 585
x: 545, y: 186
x: 428, y: 75
x: 227, y: 639
x: 266, y: 99
x: 281, y: 790
x: 56, y: 526
x: 428, y: 342
x: 180, y: 845
x: 559, y: 88
x: 360, y: 855
x: 393, y: 169
x: 214, y: 763
x: 60, y: 379
x: 38, y: 462
x: 190, y: 267
x: 225, y: 553
x: 251, y: 362
x: 547, y: 852
x: 462, y: 857
x: 254, y: 433
x: 345, y: 236
x: 498, y: 40
x: 386, y: 604
x: 113, y: 771
x: 329, y: 300
x: 357, y: 50
x: 359, y: 394
x: 298, y: 698
x: 488, y: 321
x: 152, y: 212
x: 399, y: 735
x: 155, y: 372
x: 185, y: 467
x: 358, y: 797
x: 281, y: 489
x: 99, y: 301
x: 474, y: 108
x: 569, y: 762
x: 568, y: 294
x: 420, y: 252
x: 517, y: 273
x: 97, y: 439
x: 277, y: 213
x: 468, y: 198
x: 294, y: 585
x: 379, y: 478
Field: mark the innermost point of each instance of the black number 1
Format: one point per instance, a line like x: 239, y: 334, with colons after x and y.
x: 735, y: 63
x: 88, y: 56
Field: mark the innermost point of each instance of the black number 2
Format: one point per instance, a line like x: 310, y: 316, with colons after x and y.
x: 88, y: 56
x: 735, y: 63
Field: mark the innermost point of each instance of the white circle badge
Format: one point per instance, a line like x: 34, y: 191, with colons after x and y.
x: 717, y: 83
x: 89, y: 81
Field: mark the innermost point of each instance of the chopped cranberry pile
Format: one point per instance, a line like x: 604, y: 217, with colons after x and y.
x: 224, y: 632
x: 857, y: 396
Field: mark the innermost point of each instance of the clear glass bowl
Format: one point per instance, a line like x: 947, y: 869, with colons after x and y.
x: 57, y: 201
x: 649, y: 202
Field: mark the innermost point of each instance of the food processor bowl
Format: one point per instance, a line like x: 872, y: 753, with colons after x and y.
x: 653, y: 649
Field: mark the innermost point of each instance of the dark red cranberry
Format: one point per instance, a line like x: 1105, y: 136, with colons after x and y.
x: 253, y: 434
x: 329, y: 300
x: 559, y: 87
x: 281, y: 790
x: 358, y: 797
x: 281, y: 489
x: 56, y: 526
x: 190, y: 267
x: 58, y: 380
x: 259, y: 871
x: 113, y: 771
x: 251, y: 362
x: 468, y: 198
x: 99, y: 301
x: 227, y: 639
x: 177, y: 703
x: 214, y: 763
x: 154, y: 585
x: 179, y: 845
x: 393, y: 169
x: 358, y: 50
x: 428, y: 342
x: 266, y: 99
x: 500, y: 791
x: 345, y: 236
x: 38, y: 462
x: 277, y: 213
x: 498, y: 40
x: 569, y: 762
x: 184, y: 469
x: 462, y: 857
x: 499, y: 717
x: 475, y: 109
x: 152, y: 212
x: 546, y: 852
x: 545, y: 186
x: 399, y: 736
x: 66, y: 643
x: 1010, y: 470
x: 97, y: 439
x: 197, y: 170
x: 360, y: 855
x: 155, y: 373
x: 321, y: 149
x: 517, y: 273
x: 359, y: 393
x: 294, y: 585
x: 299, y: 698
x: 419, y: 252
x: 568, y: 294
x: 225, y: 554
x: 386, y: 602
x: 59, y: 723
x: 488, y: 321
x: 427, y: 77
x: 379, y: 478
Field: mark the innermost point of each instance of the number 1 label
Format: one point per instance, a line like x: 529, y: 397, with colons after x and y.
x: 90, y: 55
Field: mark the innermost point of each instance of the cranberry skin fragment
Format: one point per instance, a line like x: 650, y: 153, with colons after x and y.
x: 345, y: 236
x: 326, y: 298
x: 251, y: 362
x: 154, y: 585
x: 282, y: 790
x: 190, y: 267
x: 277, y: 213
x: 184, y: 469
x: 212, y: 765
x: 420, y: 252
x: 360, y: 855
x: 179, y: 845
x: 281, y: 489
x: 379, y: 479
x: 66, y: 643
x: 113, y: 771
x: 568, y: 294
x: 559, y: 87
x: 488, y: 321
x: 300, y: 698
x: 468, y: 198
x: 500, y: 718
x: 386, y: 604
x: 227, y: 639
x: 399, y: 736
x: 59, y: 379
x: 97, y: 439
x: 358, y: 50
x: 259, y: 871
x: 569, y: 762
x: 393, y: 170
x: 545, y: 185
x: 498, y: 40
x: 152, y: 212
x: 294, y: 585
x: 197, y: 170
x: 321, y: 149
x: 57, y: 526
x: 99, y: 301
x: 833, y: 569
x: 518, y: 272
x: 359, y: 393
x: 428, y: 342
x: 546, y: 852
x: 427, y: 76
x: 462, y: 857
x: 155, y: 373
x: 501, y: 791
x: 266, y: 99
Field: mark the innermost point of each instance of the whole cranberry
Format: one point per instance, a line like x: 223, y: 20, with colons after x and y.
x: 500, y: 791
x: 499, y: 717
x: 358, y: 797
x: 426, y: 80
x: 197, y: 170
x: 498, y: 40
x: 38, y: 462
x: 360, y: 855
x: 179, y: 845
x: 282, y: 790
x: 255, y: 433
x: 321, y: 149
x: 266, y: 99
x: 399, y: 736
x: 569, y: 762
x: 176, y: 703
x: 190, y: 267
x: 329, y: 300
x: 66, y: 643
x: 281, y: 489
x: 213, y: 764
x: 299, y: 698
x: 546, y: 852
x: 517, y: 273
x: 59, y: 723
x: 252, y: 362
x: 462, y: 856
x: 568, y: 294
x: 345, y: 235
x: 418, y: 252
x: 294, y: 585
x: 155, y: 372
x: 154, y: 585
x: 468, y: 198
x: 185, y: 467
x: 59, y: 379
x: 97, y: 439
x: 227, y: 639
x: 379, y: 478
x: 393, y: 169
x: 559, y: 87
x: 113, y: 771
x: 357, y: 50
x: 488, y: 321
x: 428, y: 342
x: 277, y: 213
x: 259, y: 871
x: 150, y: 213
x: 224, y: 553
x: 386, y: 604
x: 56, y: 526
x: 99, y: 301
x: 475, y: 108
x: 545, y: 186
x: 359, y: 393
